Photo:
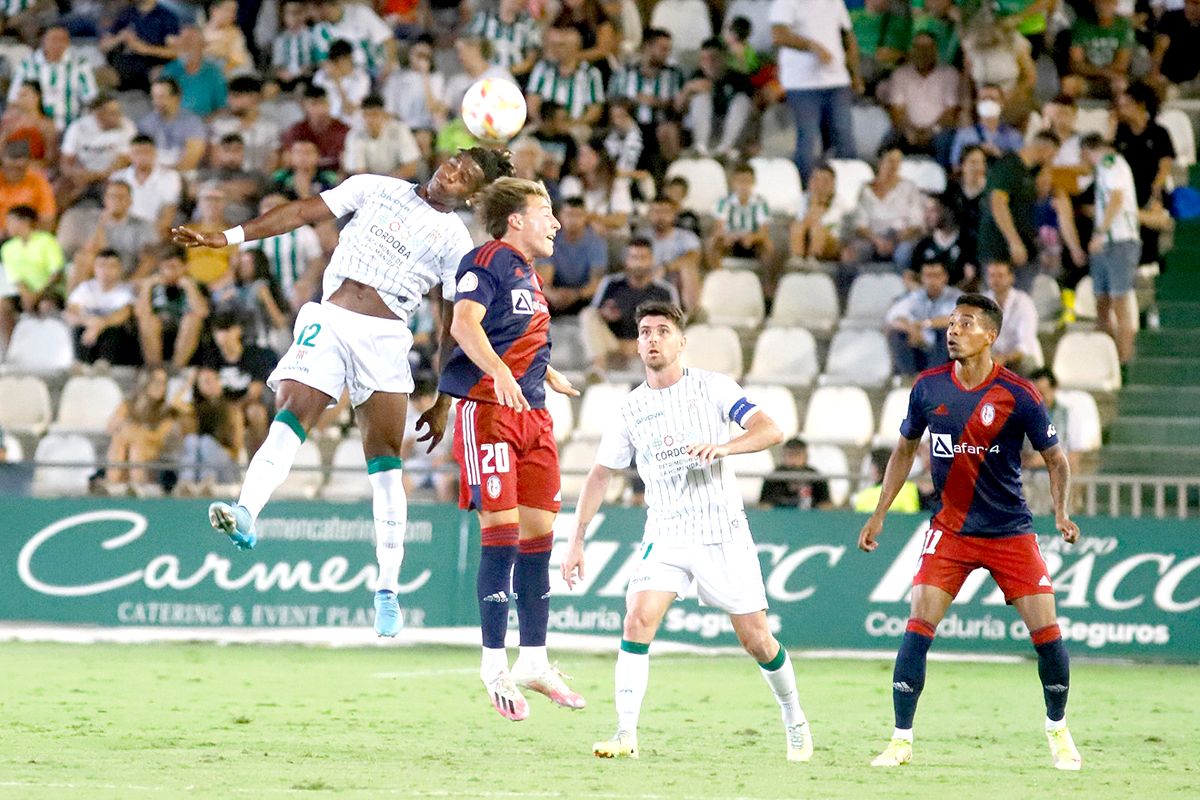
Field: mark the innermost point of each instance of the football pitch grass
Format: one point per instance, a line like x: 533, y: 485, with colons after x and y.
x: 201, y: 720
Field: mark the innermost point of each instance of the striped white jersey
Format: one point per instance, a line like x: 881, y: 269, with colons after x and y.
x: 631, y: 83
x: 296, y: 51
x: 686, y: 503
x: 396, y: 243
x: 575, y: 92
x: 741, y: 217
x: 510, y: 41
x: 1113, y: 173
x: 289, y: 255
x: 68, y: 84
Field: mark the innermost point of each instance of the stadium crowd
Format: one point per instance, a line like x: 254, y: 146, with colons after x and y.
x: 125, y: 118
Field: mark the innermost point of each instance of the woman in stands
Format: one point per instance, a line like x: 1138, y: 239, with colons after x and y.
x: 889, y: 219
x: 140, y: 428
x: 816, y: 231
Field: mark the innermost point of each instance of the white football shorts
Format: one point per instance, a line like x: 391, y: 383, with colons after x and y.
x: 725, y: 575
x: 335, y: 349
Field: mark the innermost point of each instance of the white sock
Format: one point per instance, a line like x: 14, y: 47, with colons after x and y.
x: 633, y: 674
x: 903, y: 733
x: 270, y: 465
x: 783, y: 685
x: 390, y: 507
x: 493, y: 662
x: 1054, y: 725
x: 533, y: 659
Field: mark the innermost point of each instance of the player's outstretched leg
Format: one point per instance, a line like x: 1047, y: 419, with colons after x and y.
x: 531, y: 584
x: 268, y: 469
x: 632, y: 676
x: 908, y: 679
x: 390, y: 508
x: 494, y: 588
x: 1054, y: 669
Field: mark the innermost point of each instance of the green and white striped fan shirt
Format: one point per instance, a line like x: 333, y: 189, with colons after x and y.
x: 68, y: 85
x: 740, y: 217
x: 510, y: 41
x: 575, y: 92
x: 297, y: 51
x: 289, y: 255
x: 630, y: 82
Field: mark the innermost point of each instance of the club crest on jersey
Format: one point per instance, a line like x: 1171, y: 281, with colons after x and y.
x: 469, y: 282
x: 987, y: 414
x: 523, y: 303
x: 493, y: 487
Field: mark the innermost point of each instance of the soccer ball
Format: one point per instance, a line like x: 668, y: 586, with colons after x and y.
x: 494, y: 109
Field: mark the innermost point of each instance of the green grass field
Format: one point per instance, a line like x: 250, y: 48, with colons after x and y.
x: 243, y: 721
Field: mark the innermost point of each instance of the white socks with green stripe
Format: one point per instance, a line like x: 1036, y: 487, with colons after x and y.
x: 782, y: 679
x: 633, y: 674
x: 272, y: 463
x: 390, y: 507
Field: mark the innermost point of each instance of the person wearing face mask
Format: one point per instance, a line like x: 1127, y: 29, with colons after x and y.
x: 987, y: 132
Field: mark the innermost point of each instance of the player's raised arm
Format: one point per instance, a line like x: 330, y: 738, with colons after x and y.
x: 594, y: 489
x: 467, y: 329
x: 1060, y: 490
x: 280, y: 219
x: 898, y: 467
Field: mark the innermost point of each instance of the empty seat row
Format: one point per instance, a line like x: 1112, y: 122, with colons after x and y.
x: 86, y: 405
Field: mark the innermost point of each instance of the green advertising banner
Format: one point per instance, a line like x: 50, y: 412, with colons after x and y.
x: 1129, y: 588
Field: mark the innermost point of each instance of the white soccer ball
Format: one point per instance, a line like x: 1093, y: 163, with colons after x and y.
x: 494, y: 109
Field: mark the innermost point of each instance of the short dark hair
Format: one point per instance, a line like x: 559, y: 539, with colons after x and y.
x: 652, y: 35
x: 27, y: 213
x: 245, y: 84
x: 372, y: 101
x: 224, y: 320
x: 101, y: 100
x: 1064, y: 100
x: 934, y: 263
x: 659, y: 308
x: 741, y: 27
x: 1093, y: 141
x: 108, y: 252
x: 742, y: 168
x: 678, y: 180
x: 315, y: 93
x: 232, y: 138
x: 170, y: 83
x: 575, y: 201
x: 795, y: 443
x: 1047, y: 373
x: 985, y: 304
x: 142, y: 138
x: 170, y: 250
x: 713, y: 43
x: 639, y: 241
x: 1048, y: 136
x: 340, y: 49
x: 494, y: 163
x: 1144, y: 95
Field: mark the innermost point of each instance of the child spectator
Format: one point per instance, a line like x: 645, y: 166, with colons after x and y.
x: 33, y: 261
x: 253, y: 297
x: 101, y: 311
x: 297, y: 49
x: 741, y: 223
x: 345, y: 84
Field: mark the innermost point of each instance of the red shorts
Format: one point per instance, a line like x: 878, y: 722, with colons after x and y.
x: 1015, y: 563
x: 505, y: 458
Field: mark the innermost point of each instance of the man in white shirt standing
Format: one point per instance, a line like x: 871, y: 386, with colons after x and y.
x: 402, y: 240
x: 1016, y: 346
x: 818, y: 66
x: 675, y: 426
x: 1116, y: 242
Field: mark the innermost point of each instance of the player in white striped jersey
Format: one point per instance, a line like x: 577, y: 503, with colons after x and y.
x: 402, y: 240
x: 675, y: 426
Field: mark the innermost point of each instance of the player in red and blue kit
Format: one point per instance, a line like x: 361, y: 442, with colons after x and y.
x: 504, y: 437
x: 978, y: 415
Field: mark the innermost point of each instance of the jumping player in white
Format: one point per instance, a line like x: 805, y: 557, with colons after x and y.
x: 677, y: 426
x: 402, y: 241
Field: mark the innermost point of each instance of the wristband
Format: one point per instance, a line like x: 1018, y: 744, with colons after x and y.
x: 235, y: 236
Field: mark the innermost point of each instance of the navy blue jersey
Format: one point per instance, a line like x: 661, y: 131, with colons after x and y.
x: 975, y: 447
x: 517, y: 324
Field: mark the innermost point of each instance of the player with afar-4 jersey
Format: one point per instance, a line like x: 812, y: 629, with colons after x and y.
x: 504, y: 436
x: 978, y: 415
x: 675, y: 426
x: 402, y: 241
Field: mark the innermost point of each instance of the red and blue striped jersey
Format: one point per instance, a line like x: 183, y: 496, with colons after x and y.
x: 517, y: 324
x: 975, y: 444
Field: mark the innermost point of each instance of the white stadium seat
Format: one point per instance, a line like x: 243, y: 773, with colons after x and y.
x: 778, y: 181
x: 925, y: 173
x: 13, y: 451
x: 850, y: 175
x: 871, y: 295
x: 750, y: 469
x: 1183, y: 136
x: 858, y: 358
x: 715, y: 348
x: 706, y: 183
x: 839, y: 415
x: 871, y: 126
x: 805, y: 299
x: 779, y: 404
x: 57, y: 448
x: 1084, y: 419
x: 1093, y: 120
x: 87, y: 404
x: 41, y: 345
x: 575, y: 461
x: 562, y: 413
x: 1087, y: 360
x: 303, y: 483
x: 1085, y: 299
x: 734, y: 298
x: 784, y: 355
x: 351, y: 482
x: 600, y: 404
x: 1047, y: 298
x: 829, y: 459
x: 687, y: 21
x: 895, y: 409
x: 26, y: 404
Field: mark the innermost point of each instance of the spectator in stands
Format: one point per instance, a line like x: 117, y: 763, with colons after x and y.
x: 25, y: 120
x: 224, y: 41
x: 412, y: 94
x: 942, y: 245
x: 908, y: 499
x: 608, y: 325
x: 201, y: 82
x: 243, y: 370
x: 65, y: 76
x: 676, y: 190
x: 345, y: 84
x: 101, y: 312
x: 33, y: 261
x: 816, y: 232
x: 940, y: 19
x: 922, y: 98
x: 889, y: 217
x: 1059, y: 115
x: 653, y: 84
x: 253, y: 297
x: 157, y: 190
x: 883, y: 39
x: 994, y: 55
x: 1026, y: 17
x: 558, y: 145
x: 1007, y: 231
x: 607, y: 197
x: 23, y: 184
x: 1147, y: 147
x: 243, y: 117
x: 994, y: 137
x: 1035, y: 478
x: 302, y: 174
x: 140, y: 429
x: 170, y: 311
x: 374, y: 42
x: 572, y: 274
x: 298, y: 48
x: 1101, y: 52
x: 381, y: 145
x: 1176, y: 45
x: 1115, y: 245
x: 677, y: 251
x: 209, y: 266
x: 818, y: 66
x: 717, y: 93
x: 94, y: 147
x: 178, y: 134
x: 137, y: 42
x: 130, y: 237
x: 514, y: 35
x: 916, y: 323
x: 624, y: 143
x: 212, y: 449
x: 1016, y: 346
x: 964, y: 196
x: 741, y: 220
x: 296, y: 259
x: 320, y: 128
x: 798, y: 491
x: 243, y: 188
x: 563, y: 77
x: 744, y: 56
x: 599, y: 38
x: 528, y: 160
